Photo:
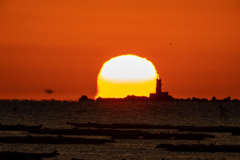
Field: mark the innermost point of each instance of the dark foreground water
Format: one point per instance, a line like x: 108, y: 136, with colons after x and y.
x: 56, y: 114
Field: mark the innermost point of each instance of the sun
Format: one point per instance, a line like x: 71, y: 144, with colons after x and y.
x: 126, y: 75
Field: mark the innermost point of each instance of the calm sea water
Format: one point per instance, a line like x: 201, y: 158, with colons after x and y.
x: 56, y: 114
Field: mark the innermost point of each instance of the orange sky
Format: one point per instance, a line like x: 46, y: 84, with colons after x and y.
x: 61, y: 45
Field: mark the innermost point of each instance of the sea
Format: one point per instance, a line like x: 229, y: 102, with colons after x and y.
x: 55, y: 114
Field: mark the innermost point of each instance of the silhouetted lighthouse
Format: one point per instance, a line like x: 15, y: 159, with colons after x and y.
x: 159, y: 95
x: 159, y: 86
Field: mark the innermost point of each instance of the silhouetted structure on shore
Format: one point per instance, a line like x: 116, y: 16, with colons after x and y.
x: 159, y: 95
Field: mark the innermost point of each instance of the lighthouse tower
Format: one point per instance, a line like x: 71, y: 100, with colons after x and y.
x: 159, y: 86
x: 159, y: 95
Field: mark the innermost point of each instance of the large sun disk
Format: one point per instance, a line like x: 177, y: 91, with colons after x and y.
x: 126, y: 75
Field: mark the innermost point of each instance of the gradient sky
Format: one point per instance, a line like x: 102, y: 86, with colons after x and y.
x: 62, y: 45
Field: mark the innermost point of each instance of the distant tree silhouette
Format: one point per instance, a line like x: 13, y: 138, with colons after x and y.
x: 213, y: 98
x: 227, y: 99
x: 83, y: 98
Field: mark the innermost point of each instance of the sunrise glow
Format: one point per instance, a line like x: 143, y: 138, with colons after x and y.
x: 126, y: 75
